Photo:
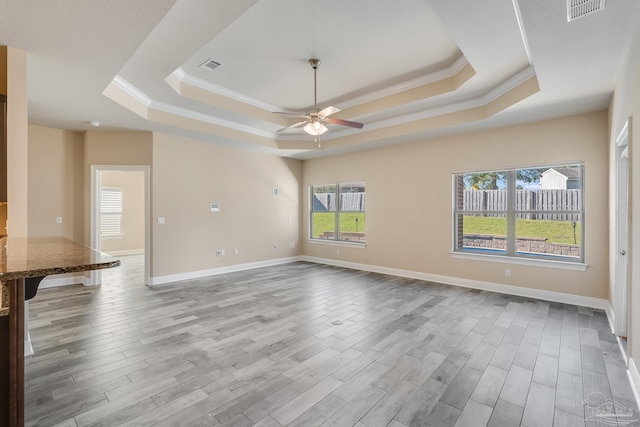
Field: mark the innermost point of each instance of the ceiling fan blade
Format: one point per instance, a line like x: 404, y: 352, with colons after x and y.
x: 343, y: 122
x: 328, y: 111
x: 295, y: 125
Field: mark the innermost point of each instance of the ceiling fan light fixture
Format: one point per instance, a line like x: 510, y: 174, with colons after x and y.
x: 315, y: 127
x: 313, y: 122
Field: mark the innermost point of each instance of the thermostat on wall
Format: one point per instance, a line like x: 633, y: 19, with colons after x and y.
x: 215, y: 207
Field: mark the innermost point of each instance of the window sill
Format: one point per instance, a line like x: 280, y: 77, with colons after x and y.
x: 546, y: 263
x: 337, y: 243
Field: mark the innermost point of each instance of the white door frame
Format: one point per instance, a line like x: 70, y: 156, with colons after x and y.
x: 96, y: 275
x: 621, y: 285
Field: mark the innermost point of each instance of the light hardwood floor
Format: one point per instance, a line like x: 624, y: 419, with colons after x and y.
x: 305, y: 345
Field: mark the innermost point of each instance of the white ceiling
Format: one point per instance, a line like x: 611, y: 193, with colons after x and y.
x: 399, y: 67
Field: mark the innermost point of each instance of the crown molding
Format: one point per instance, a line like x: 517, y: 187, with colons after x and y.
x: 137, y: 95
x: 482, y: 100
x: 207, y: 118
x: 129, y: 89
x: 189, y: 79
x: 479, y: 101
x: 433, y: 77
x: 508, y: 85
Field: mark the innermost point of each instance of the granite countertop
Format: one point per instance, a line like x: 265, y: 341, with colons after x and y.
x: 43, y: 256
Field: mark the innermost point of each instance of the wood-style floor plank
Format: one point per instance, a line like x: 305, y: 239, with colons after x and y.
x: 308, y: 345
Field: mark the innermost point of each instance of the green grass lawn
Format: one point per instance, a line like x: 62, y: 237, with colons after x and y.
x: 554, y: 231
x: 325, y: 221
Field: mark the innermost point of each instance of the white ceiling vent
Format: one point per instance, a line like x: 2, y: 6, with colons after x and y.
x: 211, y: 65
x: 579, y: 8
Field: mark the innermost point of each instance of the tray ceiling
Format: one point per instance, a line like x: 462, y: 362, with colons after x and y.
x: 408, y: 70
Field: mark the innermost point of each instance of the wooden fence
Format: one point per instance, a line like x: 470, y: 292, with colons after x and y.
x: 567, y: 202
x: 349, y: 202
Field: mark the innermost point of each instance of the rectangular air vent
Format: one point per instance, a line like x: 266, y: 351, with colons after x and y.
x: 210, y: 65
x: 579, y: 8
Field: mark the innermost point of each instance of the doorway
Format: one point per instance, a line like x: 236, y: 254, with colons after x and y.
x: 120, y: 207
x: 622, y: 232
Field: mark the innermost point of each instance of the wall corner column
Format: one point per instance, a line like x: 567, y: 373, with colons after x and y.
x: 13, y: 66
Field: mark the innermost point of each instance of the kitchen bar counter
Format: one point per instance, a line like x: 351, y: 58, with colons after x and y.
x: 23, y: 263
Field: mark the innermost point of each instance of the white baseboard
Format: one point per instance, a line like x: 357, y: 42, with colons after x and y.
x: 611, y: 317
x: 634, y: 379
x: 126, y: 252
x: 53, y: 282
x: 160, y: 280
x: 585, y: 301
x: 560, y: 297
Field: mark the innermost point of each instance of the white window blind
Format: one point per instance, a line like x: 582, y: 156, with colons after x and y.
x: 110, y: 212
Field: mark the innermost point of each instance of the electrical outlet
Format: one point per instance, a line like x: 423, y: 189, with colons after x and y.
x: 160, y: 220
x: 275, y: 246
x: 58, y: 220
x: 337, y: 251
x: 292, y: 245
x: 220, y: 252
x: 236, y: 251
x: 507, y: 272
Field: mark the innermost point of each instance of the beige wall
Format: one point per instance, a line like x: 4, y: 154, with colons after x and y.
x: 189, y: 175
x: 626, y: 105
x: 112, y: 148
x: 17, y: 141
x: 133, y: 214
x: 409, y: 199
x: 55, y: 183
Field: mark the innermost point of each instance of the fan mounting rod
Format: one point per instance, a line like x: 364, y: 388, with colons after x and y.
x: 314, y: 62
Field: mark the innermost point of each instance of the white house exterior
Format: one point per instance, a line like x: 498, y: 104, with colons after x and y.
x: 560, y: 178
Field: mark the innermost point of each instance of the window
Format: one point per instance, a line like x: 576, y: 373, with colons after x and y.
x: 110, y: 212
x: 533, y: 213
x: 337, y: 212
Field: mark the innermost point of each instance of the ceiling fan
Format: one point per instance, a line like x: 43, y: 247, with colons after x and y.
x: 314, y: 122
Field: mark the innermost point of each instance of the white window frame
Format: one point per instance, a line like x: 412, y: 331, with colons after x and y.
x: 111, y: 212
x: 336, y: 213
x: 510, y: 255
